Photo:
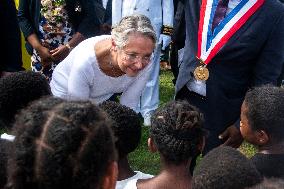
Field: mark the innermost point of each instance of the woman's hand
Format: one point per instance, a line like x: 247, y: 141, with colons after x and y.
x: 45, y: 56
x: 60, y: 52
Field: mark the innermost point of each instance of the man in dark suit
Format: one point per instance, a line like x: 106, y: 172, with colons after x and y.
x: 253, y: 56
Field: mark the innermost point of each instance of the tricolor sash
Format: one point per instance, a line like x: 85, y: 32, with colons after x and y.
x: 209, y: 43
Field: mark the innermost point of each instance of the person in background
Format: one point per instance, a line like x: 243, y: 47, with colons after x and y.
x: 53, y: 28
x: 11, y: 54
x: 176, y: 134
x: 104, y: 65
x: 225, y: 54
x: 127, y: 130
x: 106, y: 26
x: 262, y: 124
x: 178, y: 39
x: 225, y: 167
x: 161, y: 13
x: 66, y: 145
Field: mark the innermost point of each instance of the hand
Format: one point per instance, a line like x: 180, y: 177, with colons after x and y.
x: 105, y: 28
x: 45, y: 56
x: 60, y: 52
x: 164, y: 40
x: 233, y: 137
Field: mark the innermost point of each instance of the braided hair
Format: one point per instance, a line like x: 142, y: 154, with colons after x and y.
x: 177, y: 131
x: 64, y: 145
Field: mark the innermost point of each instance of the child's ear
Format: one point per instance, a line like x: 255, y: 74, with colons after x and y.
x: 262, y: 137
x: 109, y: 180
x: 151, y: 145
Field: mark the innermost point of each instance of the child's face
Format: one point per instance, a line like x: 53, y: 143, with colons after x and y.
x: 248, y: 134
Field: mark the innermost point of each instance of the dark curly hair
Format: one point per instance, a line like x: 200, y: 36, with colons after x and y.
x: 177, y: 131
x: 265, y: 111
x: 225, y: 167
x: 19, y: 89
x: 126, y: 126
x: 69, y: 145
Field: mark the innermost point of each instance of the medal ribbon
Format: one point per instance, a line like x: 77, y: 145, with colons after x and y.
x: 209, y: 43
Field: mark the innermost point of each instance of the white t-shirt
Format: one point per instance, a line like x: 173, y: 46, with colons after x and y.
x: 131, y: 182
x: 78, y: 76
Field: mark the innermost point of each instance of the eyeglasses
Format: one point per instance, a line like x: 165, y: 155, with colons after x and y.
x: 133, y: 57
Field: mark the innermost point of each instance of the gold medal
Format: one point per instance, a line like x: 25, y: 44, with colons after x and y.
x: 201, y: 73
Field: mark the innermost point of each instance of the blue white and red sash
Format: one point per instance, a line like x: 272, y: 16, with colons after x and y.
x: 209, y: 43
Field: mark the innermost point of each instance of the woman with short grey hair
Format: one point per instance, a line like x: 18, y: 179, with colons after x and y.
x: 104, y: 65
x: 136, y: 23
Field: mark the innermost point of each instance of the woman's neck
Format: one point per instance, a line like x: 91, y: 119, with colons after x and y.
x: 107, y: 59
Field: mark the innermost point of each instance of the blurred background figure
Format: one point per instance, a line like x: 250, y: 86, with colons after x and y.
x: 178, y: 39
x: 161, y: 14
x: 106, y: 25
x: 11, y: 53
x: 53, y: 28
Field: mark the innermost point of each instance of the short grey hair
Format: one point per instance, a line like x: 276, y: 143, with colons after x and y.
x: 136, y: 23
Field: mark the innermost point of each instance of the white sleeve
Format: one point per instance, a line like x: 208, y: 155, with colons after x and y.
x: 130, y: 97
x: 79, y: 81
x: 116, y: 11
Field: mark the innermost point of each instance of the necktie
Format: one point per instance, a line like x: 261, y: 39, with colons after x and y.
x: 220, y: 13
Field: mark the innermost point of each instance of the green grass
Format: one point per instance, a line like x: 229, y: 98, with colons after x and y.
x: 141, y: 159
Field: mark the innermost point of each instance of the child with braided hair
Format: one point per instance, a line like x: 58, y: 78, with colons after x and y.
x: 176, y: 133
x: 68, y: 145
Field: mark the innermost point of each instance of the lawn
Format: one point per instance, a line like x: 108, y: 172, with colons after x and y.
x: 141, y: 159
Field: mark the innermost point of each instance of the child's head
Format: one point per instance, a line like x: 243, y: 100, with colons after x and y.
x: 225, y: 167
x: 176, y: 131
x: 67, y: 145
x: 19, y: 89
x: 262, y: 120
x: 126, y: 127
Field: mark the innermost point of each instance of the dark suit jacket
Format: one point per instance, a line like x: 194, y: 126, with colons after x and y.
x: 253, y: 56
